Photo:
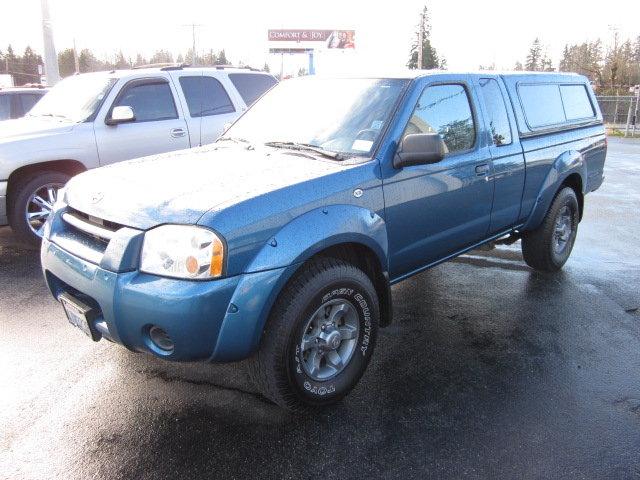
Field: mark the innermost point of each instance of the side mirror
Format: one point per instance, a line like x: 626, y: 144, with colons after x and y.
x: 419, y: 149
x: 121, y: 114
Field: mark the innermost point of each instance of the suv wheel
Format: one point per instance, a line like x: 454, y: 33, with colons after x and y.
x: 31, y: 203
x: 548, y: 247
x: 319, y: 337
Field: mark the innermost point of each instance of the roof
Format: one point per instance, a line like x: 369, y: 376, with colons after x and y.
x: 140, y: 71
x: 414, y: 73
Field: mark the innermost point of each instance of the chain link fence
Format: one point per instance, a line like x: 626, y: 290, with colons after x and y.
x: 620, y: 113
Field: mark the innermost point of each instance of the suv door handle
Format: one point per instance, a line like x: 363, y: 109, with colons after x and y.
x: 178, y: 132
x: 482, y: 170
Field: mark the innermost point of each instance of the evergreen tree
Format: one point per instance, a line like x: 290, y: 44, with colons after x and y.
x: 430, y: 58
x: 221, y: 58
x: 534, y: 57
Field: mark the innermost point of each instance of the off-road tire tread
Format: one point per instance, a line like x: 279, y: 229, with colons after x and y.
x: 536, y: 244
x: 267, y: 368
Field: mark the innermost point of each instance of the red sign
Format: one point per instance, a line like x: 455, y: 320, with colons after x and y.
x: 333, y: 38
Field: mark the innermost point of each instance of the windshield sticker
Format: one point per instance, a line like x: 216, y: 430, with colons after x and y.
x: 362, y: 145
x: 377, y: 124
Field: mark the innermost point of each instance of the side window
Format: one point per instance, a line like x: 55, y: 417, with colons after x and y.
x: 576, y: 102
x: 497, y: 116
x: 445, y: 109
x: 205, y: 96
x: 542, y: 105
x: 5, y: 107
x: 28, y: 100
x: 251, y: 86
x: 150, y: 101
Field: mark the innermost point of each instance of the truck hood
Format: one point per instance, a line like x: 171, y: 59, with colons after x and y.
x: 26, y: 127
x: 179, y: 187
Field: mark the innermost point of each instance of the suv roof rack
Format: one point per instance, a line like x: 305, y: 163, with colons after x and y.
x: 162, y: 66
x: 180, y: 66
x: 244, y: 67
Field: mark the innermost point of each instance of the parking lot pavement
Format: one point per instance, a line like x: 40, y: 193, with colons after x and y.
x: 488, y: 371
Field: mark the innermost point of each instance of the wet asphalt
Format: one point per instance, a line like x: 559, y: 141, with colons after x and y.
x: 489, y: 371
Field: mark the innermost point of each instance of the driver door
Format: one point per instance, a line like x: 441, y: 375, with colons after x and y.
x: 159, y: 125
x: 435, y: 210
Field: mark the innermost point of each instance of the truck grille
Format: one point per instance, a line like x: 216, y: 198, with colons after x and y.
x: 100, y: 230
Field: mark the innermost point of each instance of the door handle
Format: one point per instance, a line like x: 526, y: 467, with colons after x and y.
x: 178, y: 132
x: 482, y: 170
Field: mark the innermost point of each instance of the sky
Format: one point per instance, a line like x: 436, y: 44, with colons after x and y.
x: 467, y: 33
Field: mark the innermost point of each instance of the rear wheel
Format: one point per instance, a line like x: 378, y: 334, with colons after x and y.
x: 548, y: 247
x: 31, y: 203
x: 319, y: 337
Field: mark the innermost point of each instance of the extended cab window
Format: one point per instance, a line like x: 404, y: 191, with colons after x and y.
x: 445, y: 109
x: 576, y: 102
x: 149, y: 101
x: 251, y: 86
x: 205, y: 96
x: 497, y: 116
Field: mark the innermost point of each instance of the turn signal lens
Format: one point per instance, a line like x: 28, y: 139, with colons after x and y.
x: 217, y: 258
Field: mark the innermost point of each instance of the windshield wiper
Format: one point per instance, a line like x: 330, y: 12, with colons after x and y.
x: 307, y: 147
x: 53, y: 115
x: 236, y: 140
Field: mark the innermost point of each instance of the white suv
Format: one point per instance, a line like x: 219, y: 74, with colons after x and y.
x: 95, y: 119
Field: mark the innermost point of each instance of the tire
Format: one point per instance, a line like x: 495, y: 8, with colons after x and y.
x: 20, y: 201
x: 548, y: 247
x: 283, y: 368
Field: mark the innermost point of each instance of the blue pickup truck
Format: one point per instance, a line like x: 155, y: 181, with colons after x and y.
x: 279, y: 242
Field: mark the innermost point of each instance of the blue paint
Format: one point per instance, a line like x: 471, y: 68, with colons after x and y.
x: 276, y: 209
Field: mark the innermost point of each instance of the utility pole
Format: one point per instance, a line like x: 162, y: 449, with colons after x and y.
x: 193, y: 34
x: 420, y: 39
x: 76, y: 60
x: 50, y: 56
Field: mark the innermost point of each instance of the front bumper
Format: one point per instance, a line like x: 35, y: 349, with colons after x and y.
x: 219, y: 320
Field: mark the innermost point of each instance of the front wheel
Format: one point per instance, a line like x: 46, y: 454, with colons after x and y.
x: 548, y: 247
x: 31, y: 203
x: 319, y: 337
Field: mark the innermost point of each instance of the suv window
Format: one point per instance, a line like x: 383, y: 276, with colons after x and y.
x: 205, y: 96
x: 576, y: 102
x: 445, y: 109
x: 5, y: 107
x: 251, y: 86
x: 150, y: 101
x: 497, y: 116
x: 28, y: 100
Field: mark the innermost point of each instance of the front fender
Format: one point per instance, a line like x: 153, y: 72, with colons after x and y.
x: 280, y: 258
x: 319, y: 229
x: 568, y: 163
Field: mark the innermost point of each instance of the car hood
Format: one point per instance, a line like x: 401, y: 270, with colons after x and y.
x: 23, y: 128
x: 179, y: 187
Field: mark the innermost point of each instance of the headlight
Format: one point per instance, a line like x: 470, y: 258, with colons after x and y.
x: 182, y: 251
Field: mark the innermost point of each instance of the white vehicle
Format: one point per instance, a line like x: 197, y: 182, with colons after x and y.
x: 95, y: 119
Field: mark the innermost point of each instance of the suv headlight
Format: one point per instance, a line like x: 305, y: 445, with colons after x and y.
x: 182, y: 251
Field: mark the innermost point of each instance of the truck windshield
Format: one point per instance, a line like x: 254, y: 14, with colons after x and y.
x: 346, y: 116
x: 74, y: 98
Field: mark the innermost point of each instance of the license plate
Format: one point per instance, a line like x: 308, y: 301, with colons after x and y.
x: 79, y: 314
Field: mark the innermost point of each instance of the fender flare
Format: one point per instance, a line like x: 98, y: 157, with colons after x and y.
x: 319, y: 229
x: 282, y: 255
x: 568, y: 163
